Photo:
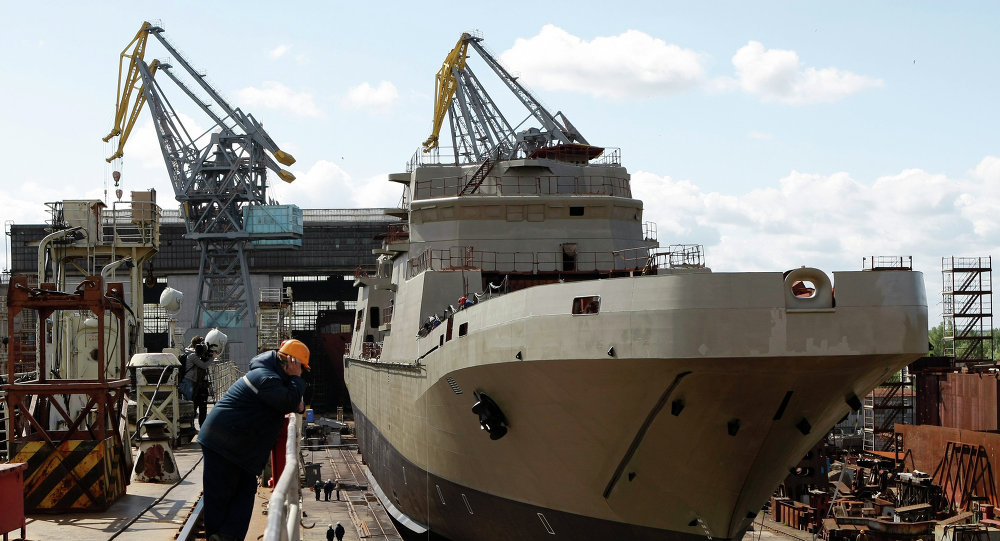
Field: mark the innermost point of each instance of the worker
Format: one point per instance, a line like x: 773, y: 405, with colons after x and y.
x: 184, y: 386
x: 196, y: 378
x: 240, y: 432
x: 328, y: 489
x: 317, y: 488
x: 339, y: 532
x: 330, y: 533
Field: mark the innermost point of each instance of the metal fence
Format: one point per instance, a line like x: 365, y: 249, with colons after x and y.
x: 223, y: 375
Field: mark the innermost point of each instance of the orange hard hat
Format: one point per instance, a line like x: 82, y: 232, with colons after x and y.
x: 296, y: 349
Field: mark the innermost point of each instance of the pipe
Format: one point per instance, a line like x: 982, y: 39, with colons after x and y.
x: 110, y: 267
x: 42, y: 247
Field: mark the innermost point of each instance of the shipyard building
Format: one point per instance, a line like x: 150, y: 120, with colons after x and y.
x: 307, y: 284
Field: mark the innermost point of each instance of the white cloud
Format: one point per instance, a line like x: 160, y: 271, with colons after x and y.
x: 279, y: 51
x: 325, y: 185
x: 832, y: 221
x: 988, y: 170
x: 760, y: 136
x: 778, y: 75
x: 378, y: 99
x: 274, y: 95
x: 22, y: 202
x: 631, y: 64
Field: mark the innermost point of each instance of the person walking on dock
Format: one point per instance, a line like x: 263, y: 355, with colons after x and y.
x: 317, y: 487
x: 240, y: 432
x: 328, y: 489
x: 330, y: 533
x: 339, y: 532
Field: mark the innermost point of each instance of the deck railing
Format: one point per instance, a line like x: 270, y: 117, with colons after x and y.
x: 644, y: 259
x: 612, y: 156
x: 606, y: 185
x: 285, y: 506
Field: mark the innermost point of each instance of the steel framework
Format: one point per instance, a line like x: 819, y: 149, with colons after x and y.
x: 966, y: 476
x: 56, y: 480
x: 967, y: 295
x: 893, y: 400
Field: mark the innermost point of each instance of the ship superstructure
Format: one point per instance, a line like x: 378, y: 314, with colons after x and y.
x: 528, y: 361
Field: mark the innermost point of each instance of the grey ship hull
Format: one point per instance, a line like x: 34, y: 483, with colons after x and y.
x: 715, y: 386
x: 463, y: 513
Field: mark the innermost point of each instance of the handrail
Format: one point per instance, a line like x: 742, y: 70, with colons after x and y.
x: 283, y: 509
x: 594, y: 185
x: 640, y: 258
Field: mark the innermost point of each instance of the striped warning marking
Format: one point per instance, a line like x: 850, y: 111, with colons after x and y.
x: 75, y: 475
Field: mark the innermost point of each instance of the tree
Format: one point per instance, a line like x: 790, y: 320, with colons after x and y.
x: 936, y: 337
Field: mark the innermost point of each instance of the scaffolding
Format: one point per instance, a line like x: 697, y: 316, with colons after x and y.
x: 23, y: 339
x: 967, y: 311
x: 889, y: 403
x: 892, y: 401
x: 274, y: 312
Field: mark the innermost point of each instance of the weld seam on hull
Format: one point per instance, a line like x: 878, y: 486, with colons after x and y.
x: 637, y: 440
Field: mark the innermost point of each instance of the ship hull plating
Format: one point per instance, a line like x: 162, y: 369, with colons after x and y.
x: 671, y: 413
x: 462, y: 513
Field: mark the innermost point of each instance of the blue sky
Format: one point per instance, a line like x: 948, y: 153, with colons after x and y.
x: 777, y: 134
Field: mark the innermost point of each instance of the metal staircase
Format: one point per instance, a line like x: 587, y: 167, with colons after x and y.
x: 274, y: 312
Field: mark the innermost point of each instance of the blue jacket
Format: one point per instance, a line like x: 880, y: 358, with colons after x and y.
x: 244, y: 425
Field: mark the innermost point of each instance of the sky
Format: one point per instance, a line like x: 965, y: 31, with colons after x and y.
x: 776, y: 134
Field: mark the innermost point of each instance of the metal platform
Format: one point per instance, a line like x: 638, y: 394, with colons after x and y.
x: 147, y: 512
x: 161, y: 512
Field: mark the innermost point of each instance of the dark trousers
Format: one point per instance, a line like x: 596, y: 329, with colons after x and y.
x: 229, y: 496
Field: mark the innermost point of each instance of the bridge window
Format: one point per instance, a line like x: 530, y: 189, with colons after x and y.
x: 587, y: 305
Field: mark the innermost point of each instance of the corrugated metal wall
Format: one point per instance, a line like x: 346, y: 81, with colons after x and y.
x: 966, y: 401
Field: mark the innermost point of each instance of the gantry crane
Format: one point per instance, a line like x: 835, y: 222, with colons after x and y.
x: 480, y: 133
x: 217, y: 175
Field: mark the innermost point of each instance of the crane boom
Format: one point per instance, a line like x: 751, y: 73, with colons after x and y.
x: 480, y: 133
x: 444, y: 88
x: 218, y: 174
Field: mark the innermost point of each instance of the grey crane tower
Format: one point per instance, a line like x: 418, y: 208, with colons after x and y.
x: 219, y: 176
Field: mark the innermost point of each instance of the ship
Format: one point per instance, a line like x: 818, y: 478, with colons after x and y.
x: 529, y: 362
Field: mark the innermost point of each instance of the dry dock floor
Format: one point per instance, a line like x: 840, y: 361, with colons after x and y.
x: 358, y: 510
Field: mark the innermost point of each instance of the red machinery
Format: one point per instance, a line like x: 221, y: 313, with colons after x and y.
x: 85, y: 465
